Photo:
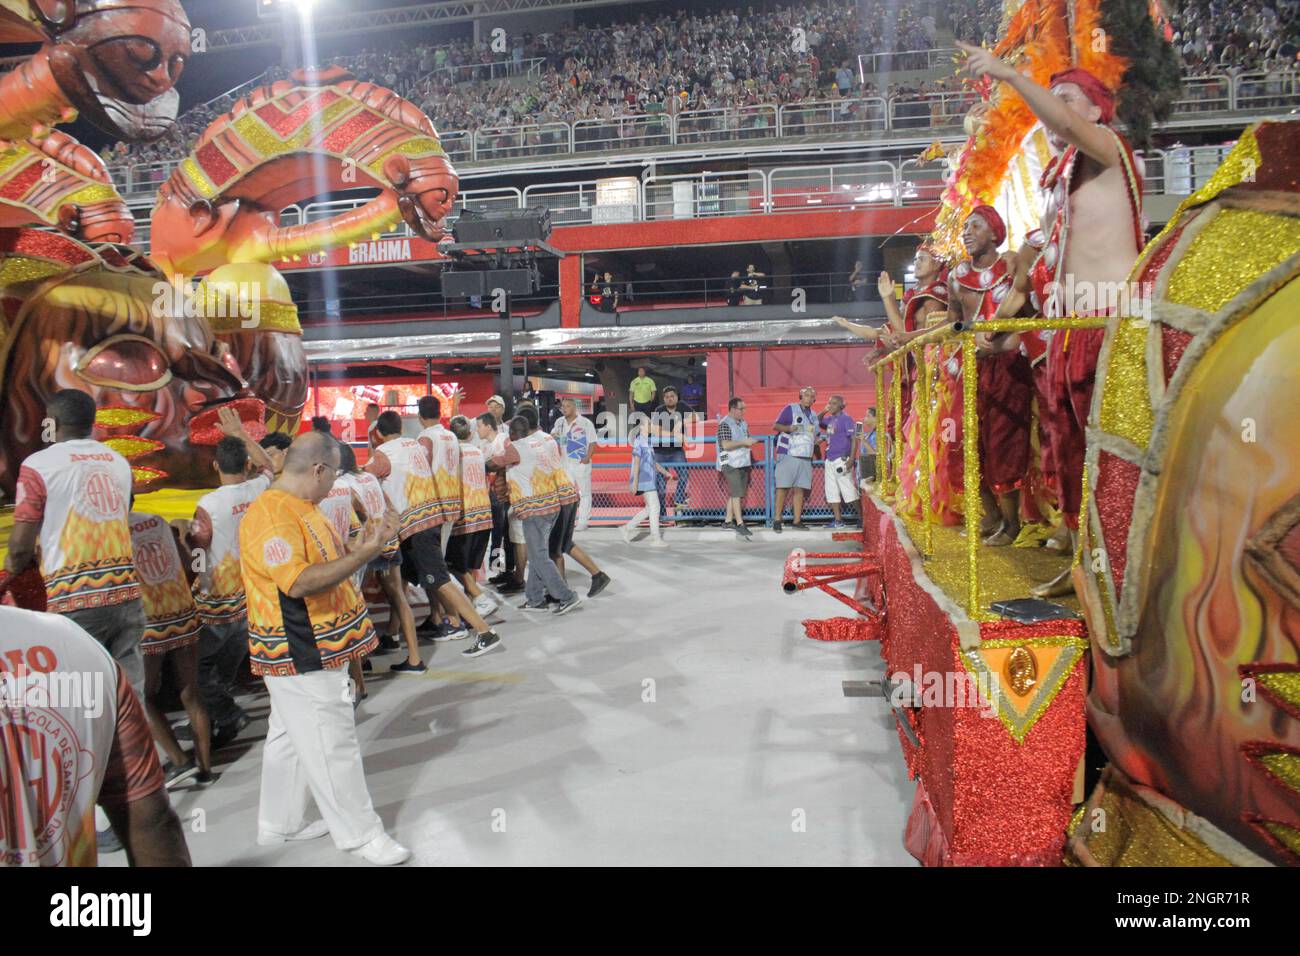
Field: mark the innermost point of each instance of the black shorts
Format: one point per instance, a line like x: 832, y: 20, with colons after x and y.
x: 465, y: 552
x: 562, y: 531
x: 422, y: 561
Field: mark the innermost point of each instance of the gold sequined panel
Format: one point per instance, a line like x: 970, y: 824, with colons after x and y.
x: 1126, y: 403
x: 1283, y: 684
x: 1284, y: 766
x: 1234, y: 249
x: 1129, y: 832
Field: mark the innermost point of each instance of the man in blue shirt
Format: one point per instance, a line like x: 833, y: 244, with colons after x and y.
x: 693, y: 393
x: 797, y: 428
x: 841, y: 453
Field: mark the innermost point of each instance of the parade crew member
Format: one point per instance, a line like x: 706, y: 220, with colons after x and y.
x: 172, y: 628
x: 402, y: 466
x: 73, y: 498
x: 306, y: 624
x: 213, y: 539
x: 472, y: 529
x: 577, y: 437
x: 105, y: 750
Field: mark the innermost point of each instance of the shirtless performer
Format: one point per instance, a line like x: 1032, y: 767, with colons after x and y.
x: 1094, y: 233
x: 977, y: 288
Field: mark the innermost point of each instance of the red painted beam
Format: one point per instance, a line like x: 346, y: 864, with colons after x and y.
x: 667, y: 233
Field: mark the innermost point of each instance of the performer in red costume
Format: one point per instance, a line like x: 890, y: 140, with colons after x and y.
x: 1094, y: 233
x: 1005, y: 392
x: 930, y: 296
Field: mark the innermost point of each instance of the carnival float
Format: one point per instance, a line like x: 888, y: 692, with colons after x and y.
x: 205, y: 320
x: 1152, y: 717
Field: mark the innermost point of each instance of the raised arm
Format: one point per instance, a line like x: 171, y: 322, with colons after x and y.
x: 1091, y: 139
x: 228, y: 421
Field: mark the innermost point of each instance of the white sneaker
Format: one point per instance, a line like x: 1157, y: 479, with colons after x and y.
x: 658, y: 542
x: 626, y: 531
x: 312, y: 831
x: 383, y: 850
x: 485, y: 604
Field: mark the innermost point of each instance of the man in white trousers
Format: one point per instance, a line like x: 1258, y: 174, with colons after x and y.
x: 577, y: 437
x: 306, y: 624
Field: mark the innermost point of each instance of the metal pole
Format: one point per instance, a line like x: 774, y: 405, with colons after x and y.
x: 762, y: 366
x: 896, y: 372
x: 731, y: 371
x: 971, y: 470
x: 927, y: 460
x: 428, y: 376
x: 507, y: 360
x: 882, y: 437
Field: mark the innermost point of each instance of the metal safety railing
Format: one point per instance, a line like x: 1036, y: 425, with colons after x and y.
x: 891, y: 448
x: 696, y: 492
x: 1247, y: 93
x: 784, y: 189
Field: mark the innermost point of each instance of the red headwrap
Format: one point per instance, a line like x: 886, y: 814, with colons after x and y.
x: 1092, y: 88
x: 990, y: 215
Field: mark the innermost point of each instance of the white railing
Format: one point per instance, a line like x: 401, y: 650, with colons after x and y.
x: 512, y: 142
x: 784, y: 189
x: 496, y: 70
x: 622, y: 132
x: 931, y: 110
x: 1265, y: 90
x: 704, y: 195
x: 727, y: 123
x: 843, y: 186
x: 823, y: 117
x: 872, y: 63
x: 1206, y: 94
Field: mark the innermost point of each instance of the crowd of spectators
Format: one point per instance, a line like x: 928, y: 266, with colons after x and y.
x: 656, y: 67
x: 733, y: 62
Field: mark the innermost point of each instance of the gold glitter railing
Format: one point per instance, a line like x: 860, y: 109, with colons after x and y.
x: 970, y: 434
x: 887, y: 478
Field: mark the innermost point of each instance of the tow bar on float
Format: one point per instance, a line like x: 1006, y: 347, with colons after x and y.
x: 801, y: 573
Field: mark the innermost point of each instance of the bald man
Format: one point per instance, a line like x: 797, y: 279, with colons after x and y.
x: 306, y: 624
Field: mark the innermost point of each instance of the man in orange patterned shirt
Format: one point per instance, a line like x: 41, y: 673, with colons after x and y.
x: 306, y: 623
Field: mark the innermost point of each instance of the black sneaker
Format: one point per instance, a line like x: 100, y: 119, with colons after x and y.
x: 485, y: 643
x: 388, y: 643
x: 776, y: 526
x: 598, y: 584
x: 226, y: 734
x: 564, y: 607
x: 366, y: 666
x: 406, y: 667
x: 429, y: 634
x: 535, y: 608
x: 744, y: 529
x: 205, y: 777
x: 799, y: 525
x: 510, y: 587
x: 452, y: 632
x: 501, y: 578
x: 179, y: 773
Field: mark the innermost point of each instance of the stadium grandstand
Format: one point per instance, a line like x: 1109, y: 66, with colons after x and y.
x: 725, y: 215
